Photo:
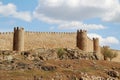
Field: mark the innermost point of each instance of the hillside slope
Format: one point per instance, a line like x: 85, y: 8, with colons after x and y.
x: 62, y: 70
x: 42, y: 64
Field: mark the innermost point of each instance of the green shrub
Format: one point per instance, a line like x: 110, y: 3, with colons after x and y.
x: 60, y: 52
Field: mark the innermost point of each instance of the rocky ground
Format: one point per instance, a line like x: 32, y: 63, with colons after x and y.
x: 56, y: 64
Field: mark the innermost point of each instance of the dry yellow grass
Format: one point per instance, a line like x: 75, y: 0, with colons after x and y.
x: 117, y: 59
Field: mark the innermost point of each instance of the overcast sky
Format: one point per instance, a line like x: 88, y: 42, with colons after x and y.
x: 101, y: 18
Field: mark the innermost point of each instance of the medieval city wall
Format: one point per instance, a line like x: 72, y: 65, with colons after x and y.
x: 40, y: 40
x: 43, y: 40
x: 6, y: 41
x: 50, y: 40
x: 34, y: 40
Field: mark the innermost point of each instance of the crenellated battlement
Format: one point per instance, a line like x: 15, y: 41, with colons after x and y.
x: 95, y: 38
x: 18, y: 28
x: 5, y: 33
x: 82, y: 31
x: 60, y: 33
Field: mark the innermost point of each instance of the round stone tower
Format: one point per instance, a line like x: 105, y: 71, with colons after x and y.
x: 96, y: 45
x: 82, y: 39
x: 15, y: 39
x: 97, y: 48
x: 78, y: 39
x: 18, y: 39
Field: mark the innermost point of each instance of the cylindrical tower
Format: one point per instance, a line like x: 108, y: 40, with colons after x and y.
x: 15, y: 39
x: 18, y: 39
x: 21, y: 39
x: 96, y: 45
x: 78, y: 39
x: 97, y: 49
x: 82, y: 40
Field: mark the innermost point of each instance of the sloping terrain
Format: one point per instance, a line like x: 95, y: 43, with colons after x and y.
x: 62, y: 69
x: 21, y: 66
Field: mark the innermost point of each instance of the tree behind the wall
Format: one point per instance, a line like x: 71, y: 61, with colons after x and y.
x: 108, y: 53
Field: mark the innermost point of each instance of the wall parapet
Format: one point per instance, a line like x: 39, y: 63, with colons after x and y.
x: 2, y: 33
x: 31, y: 32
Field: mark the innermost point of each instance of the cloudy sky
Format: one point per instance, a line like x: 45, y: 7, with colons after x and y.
x: 101, y: 18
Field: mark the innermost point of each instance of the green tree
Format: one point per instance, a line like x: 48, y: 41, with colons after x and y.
x: 112, y: 55
x: 108, y: 53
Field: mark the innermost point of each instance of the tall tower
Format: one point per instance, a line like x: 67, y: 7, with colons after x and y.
x: 82, y: 39
x: 18, y: 39
x: 96, y: 45
x: 97, y: 48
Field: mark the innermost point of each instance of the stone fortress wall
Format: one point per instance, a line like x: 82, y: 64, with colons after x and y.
x: 50, y: 40
x: 32, y: 40
x: 21, y: 40
x: 6, y: 41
